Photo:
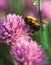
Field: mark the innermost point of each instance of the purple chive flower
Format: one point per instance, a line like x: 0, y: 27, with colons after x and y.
x: 15, y: 27
x: 28, y: 53
x: 4, y: 5
x: 1, y: 30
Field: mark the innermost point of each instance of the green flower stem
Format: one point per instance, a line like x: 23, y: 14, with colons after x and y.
x: 44, y: 37
x: 44, y: 40
x: 39, y: 11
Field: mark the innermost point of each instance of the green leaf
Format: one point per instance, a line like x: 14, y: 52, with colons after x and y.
x: 48, y: 26
x: 46, y: 39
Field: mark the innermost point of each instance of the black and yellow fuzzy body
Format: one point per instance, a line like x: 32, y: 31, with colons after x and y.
x: 33, y: 23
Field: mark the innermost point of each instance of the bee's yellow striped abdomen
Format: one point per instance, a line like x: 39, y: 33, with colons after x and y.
x: 34, y: 21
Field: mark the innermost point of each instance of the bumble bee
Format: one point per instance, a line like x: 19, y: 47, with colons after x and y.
x: 33, y: 23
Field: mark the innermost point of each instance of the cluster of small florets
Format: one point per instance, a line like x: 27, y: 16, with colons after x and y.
x: 23, y: 50
x: 12, y: 27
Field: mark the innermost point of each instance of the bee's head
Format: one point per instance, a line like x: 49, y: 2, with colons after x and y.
x: 36, y: 28
x: 27, y: 19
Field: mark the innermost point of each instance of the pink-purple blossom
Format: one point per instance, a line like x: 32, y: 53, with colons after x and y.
x: 1, y: 30
x: 28, y: 53
x: 46, y: 8
x: 14, y: 27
